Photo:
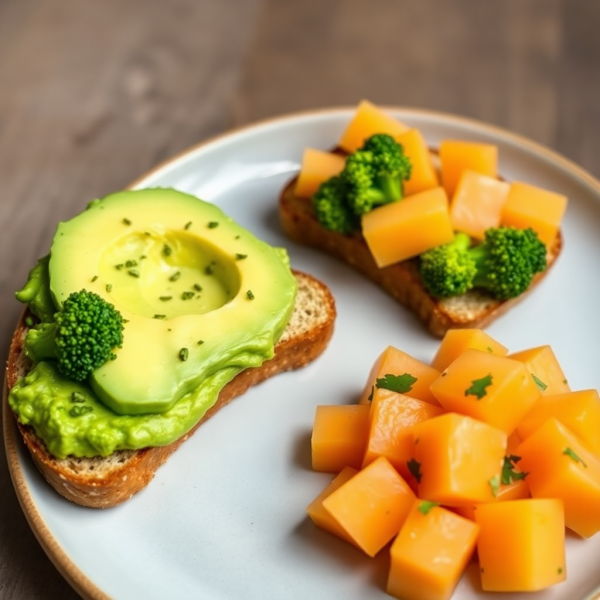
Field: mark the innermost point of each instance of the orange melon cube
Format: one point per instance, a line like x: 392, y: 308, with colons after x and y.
x: 367, y: 121
x: 542, y: 364
x: 578, y: 411
x: 400, y: 372
x: 339, y: 437
x: 392, y: 418
x: 456, y: 341
x: 477, y: 203
x: 494, y: 389
x: 423, y: 175
x: 521, y: 545
x: 430, y: 553
x: 372, y: 506
x: 317, y: 168
x: 319, y: 516
x: 404, y: 229
x: 560, y: 466
x: 530, y: 206
x: 457, y: 157
x: 446, y: 466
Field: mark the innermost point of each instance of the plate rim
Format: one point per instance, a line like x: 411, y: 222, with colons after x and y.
x: 73, y: 574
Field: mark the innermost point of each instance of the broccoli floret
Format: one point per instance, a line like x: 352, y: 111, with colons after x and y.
x: 374, y: 174
x: 504, y: 264
x: 331, y: 207
x: 86, y: 331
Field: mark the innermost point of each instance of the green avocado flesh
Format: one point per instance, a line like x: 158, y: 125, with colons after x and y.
x: 203, y: 299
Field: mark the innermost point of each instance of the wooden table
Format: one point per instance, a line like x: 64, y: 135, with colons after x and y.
x: 94, y: 93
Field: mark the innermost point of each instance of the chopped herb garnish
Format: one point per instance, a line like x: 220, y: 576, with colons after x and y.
x: 237, y: 237
x: 396, y: 383
x: 490, y: 350
x: 94, y: 278
x: 539, y: 383
x: 213, y: 224
x: 167, y: 250
x: 370, y: 398
x: 197, y: 287
x: 108, y: 288
x: 559, y: 570
x: 250, y: 295
x: 240, y: 256
x: 119, y: 266
x: 187, y: 225
x: 126, y: 221
x: 29, y: 322
x: 414, y: 466
x: 200, y: 342
x: 78, y: 411
x: 571, y: 453
x: 183, y: 354
x: 565, y: 381
x: 508, y: 470
x: 143, y: 257
x: 131, y: 263
x: 478, y: 387
x: 77, y: 397
x: 175, y: 276
x: 159, y: 317
x: 134, y: 272
x: 165, y: 298
x: 426, y: 505
x: 210, y: 268
x: 187, y: 295
x: 495, y: 485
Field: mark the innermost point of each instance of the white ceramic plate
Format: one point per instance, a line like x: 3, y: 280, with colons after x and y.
x: 225, y: 518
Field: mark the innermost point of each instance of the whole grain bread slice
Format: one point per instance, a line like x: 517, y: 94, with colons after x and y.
x: 102, y: 482
x: 475, y: 309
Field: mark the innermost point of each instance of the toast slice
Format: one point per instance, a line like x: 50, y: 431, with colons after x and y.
x: 475, y: 309
x: 102, y: 482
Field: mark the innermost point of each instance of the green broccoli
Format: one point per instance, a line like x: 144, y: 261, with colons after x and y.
x: 374, y: 173
x: 503, y: 264
x: 330, y: 206
x: 82, y: 338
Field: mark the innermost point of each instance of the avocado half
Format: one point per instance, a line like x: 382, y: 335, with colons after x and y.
x: 198, y: 292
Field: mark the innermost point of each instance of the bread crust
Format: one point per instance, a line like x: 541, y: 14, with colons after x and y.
x: 136, y: 468
x: 402, y: 281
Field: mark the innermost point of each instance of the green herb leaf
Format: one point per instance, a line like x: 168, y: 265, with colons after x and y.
x: 478, y: 387
x: 165, y: 298
x: 131, y: 263
x: 539, y: 383
x: 119, y: 266
x: 159, y: 317
x: 94, y: 278
x: 126, y: 221
x: 250, y: 295
x: 212, y: 224
x: 571, y: 453
x: 508, y: 472
x: 108, y: 288
x: 370, y: 398
x: 210, y: 268
x: 490, y: 350
x: 197, y: 287
x: 426, y: 505
x: 183, y: 354
x: 187, y: 295
x: 187, y: 225
x: 134, y: 273
x: 240, y: 256
x: 414, y: 466
x: 200, y: 342
x: 78, y: 411
x: 396, y: 383
x: 167, y: 250
x: 495, y: 485
x: 175, y: 276
x: 559, y: 570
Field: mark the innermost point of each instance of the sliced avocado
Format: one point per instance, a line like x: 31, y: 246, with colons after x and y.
x: 199, y: 293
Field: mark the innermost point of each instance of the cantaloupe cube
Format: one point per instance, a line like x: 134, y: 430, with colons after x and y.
x: 317, y: 167
x: 494, y: 389
x: 542, y: 364
x: 560, y: 466
x: 457, y: 460
x: 457, y: 157
x: 456, y: 341
x: 530, y: 206
x: 372, y: 506
x: 339, y: 437
x: 477, y: 203
x: 423, y: 175
x: 319, y: 516
x: 400, y: 372
x: 578, y: 411
x: 521, y: 545
x: 392, y: 418
x: 430, y: 553
x: 367, y: 121
x: 404, y: 229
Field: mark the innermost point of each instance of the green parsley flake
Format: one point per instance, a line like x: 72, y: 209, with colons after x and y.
x: 508, y: 470
x: 250, y: 295
x: 77, y: 397
x: 426, y: 505
x: 175, y: 276
x: 78, y: 411
x: 559, y: 570
x: 159, y: 317
x: 126, y: 221
x: 490, y: 350
x: 108, y: 288
x: 187, y: 225
x: 495, y: 485
x: 131, y: 263
x: 143, y: 257
x: 200, y: 342
x: 210, y: 268
x: 119, y: 266
x: 197, y: 287
x: 29, y: 322
x: 478, y: 387
x: 370, y: 398
x: 539, y: 383
x: 571, y: 454
x: 167, y: 250
x: 240, y: 256
x: 165, y: 298
x: 183, y: 354
x: 414, y: 466
x: 396, y: 383
x: 94, y: 278
x: 212, y: 224
x: 187, y: 295
x: 134, y: 272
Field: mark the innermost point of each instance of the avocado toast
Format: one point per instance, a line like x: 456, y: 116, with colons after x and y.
x: 100, y: 440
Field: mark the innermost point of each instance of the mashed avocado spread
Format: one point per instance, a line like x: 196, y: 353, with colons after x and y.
x: 202, y: 299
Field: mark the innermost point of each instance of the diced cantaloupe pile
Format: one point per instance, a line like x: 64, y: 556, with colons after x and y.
x: 466, y: 194
x: 481, y: 450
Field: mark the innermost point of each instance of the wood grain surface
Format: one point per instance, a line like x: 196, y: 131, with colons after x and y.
x: 94, y: 93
